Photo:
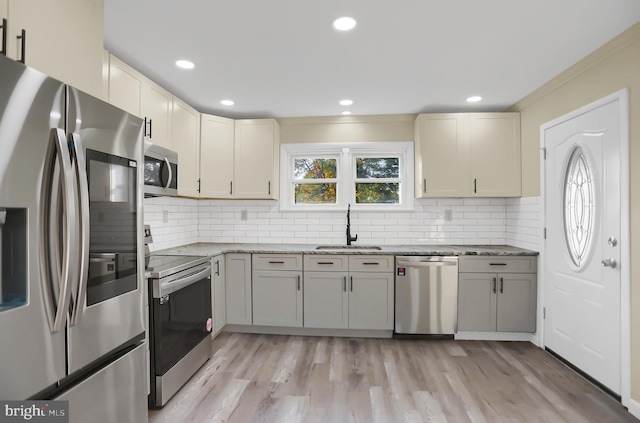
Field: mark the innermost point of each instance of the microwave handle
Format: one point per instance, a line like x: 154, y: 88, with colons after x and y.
x: 170, y: 172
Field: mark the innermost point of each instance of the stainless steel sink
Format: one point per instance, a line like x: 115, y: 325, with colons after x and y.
x: 348, y: 247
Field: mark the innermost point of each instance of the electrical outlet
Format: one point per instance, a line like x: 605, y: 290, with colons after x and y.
x: 447, y: 215
x: 165, y: 216
x: 243, y: 215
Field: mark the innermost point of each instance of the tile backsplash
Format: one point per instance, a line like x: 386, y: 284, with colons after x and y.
x: 178, y: 221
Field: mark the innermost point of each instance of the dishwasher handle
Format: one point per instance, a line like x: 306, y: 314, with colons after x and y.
x: 421, y: 264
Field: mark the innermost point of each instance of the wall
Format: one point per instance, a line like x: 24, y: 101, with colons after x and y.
x: 524, y: 222
x: 611, y: 68
x: 181, y: 225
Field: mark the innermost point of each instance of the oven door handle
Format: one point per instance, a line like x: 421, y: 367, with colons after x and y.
x: 191, y: 278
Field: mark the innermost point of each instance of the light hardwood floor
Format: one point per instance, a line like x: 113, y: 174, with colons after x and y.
x: 271, y: 378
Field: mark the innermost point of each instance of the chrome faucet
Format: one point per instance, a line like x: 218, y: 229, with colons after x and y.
x: 349, y: 237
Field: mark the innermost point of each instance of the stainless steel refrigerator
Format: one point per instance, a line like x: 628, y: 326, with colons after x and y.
x: 71, y: 263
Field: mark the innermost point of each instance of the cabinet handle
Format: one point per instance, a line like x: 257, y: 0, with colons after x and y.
x: 424, y: 186
x: 198, y: 185
x: 497, y: 264
x: 150, y: 128
x: 372, y: 263
x: 495, y: 282
x: 351, y: 288
x: 502, y: 285
x: 344, y: 283
x: 23, y: 37
x: 217, y: 267
x: 269, y: 187
x: 276, y: 262
x: 4, y: 37
x: 231, y: 188
x: 325, y: 262
x: 144, y: 135
x: 475, y: 186
x: 298, y: 282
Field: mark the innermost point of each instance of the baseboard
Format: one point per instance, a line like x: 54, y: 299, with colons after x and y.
x: 634, y: 408
x: 496, y: 336
x: 276, y: 330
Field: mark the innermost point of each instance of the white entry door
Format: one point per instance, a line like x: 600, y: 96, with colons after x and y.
x: 582, y: 247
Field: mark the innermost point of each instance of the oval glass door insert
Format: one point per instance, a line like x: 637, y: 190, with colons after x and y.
x: 579, y: 206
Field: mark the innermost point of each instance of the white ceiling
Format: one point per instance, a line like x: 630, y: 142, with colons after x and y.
x: 282, y: 58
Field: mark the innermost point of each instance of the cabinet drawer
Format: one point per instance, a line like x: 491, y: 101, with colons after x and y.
x: 328, y: 262
x: 370, y: 263
x: 498, y: 264
x: 277, y: 261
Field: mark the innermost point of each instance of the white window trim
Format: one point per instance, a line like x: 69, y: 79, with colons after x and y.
x: 346, y: 154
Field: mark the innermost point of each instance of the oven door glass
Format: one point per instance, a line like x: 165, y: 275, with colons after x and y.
x: 113, y: 222
x: 180, y: 323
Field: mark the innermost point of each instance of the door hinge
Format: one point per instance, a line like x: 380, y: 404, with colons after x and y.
x: 544, y: 233
x: 544, y: 153
x: 544, y: 312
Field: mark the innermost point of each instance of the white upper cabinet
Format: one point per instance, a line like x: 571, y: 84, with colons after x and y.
x: 257, y: 158
x: 155, y: 106
x: 135, y: 93
x: 125, y: 86
x: 63, y: 39
x: 216, y: 156
x: 468, y: 155
x: 494, y: 146
x: 441, y: 155
x: 185, y: 140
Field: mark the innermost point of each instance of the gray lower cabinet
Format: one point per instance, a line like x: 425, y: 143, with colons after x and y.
x: 503, y: 301
x: 218, y: 300
x: 277, y: 290
x: 337, y: 298
x: 238, y: 288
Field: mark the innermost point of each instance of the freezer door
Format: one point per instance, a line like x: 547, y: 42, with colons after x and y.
x: 108, y: 305
x: 33, y: 356
x: 116, y: 394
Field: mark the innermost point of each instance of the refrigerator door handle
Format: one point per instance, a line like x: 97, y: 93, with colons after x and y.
x: 79, y: 160
x: 55, y: 276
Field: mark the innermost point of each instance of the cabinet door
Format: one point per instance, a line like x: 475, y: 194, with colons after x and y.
x: 371, y: 301
x: 326, y: 300
x: 216, y: 157
x: 125, y: 86
x: 495, y: 154
x: 517, y: 299
x: 238, y: 288
x: 256, y: 159
x: 64, y: 39
x: 218, y: 292
x: 277, y: 298
x: 442, y: 155
x: 477, y: 301
x: 185, y: 128
x: 155, y: 105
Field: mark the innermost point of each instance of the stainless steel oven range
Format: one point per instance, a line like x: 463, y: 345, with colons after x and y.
x: 179, y: 322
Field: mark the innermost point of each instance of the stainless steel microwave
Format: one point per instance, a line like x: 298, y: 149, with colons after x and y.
x: 160, y: 171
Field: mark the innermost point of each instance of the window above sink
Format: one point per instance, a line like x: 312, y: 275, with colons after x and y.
x: 369, y: 176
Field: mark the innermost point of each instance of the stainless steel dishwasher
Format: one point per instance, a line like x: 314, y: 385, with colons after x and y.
x: 426, y: 295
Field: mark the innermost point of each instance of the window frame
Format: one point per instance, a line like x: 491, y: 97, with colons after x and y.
x: 346, y: 155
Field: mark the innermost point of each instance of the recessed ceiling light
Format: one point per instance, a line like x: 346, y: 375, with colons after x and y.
x: 346, y: 102
x: 344, y: 23
x: 346, y: 112
x: 185, y: 64
x: 227, y: 102
x: 474, y: 99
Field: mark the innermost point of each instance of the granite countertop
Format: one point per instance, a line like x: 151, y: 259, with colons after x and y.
x: 212, y: 249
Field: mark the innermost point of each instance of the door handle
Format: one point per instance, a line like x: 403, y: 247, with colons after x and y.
x: 609, y: 263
